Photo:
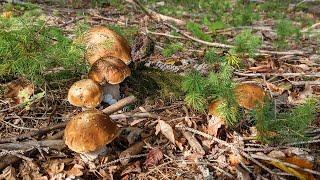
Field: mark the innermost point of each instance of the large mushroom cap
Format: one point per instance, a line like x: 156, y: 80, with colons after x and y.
x: 109, y: 69
x: 90, y: 131
x: 249, y: 95
x: 101, y: 41
x: 85, y: 93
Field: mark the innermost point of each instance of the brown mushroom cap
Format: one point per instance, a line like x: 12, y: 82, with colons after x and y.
x: 109, y: 69
x: 249, y: 95
x: 85, y: 93
x: 101, y: 41
x: 90, y: 131
x: 213, y: 106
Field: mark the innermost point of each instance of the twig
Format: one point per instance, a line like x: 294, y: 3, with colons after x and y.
x: 267, y: 158
x: 119, y: 160
x: 56, y: 144
x: 304, y: 142
x: 278, y: 74
x: 71, y: 21
x: 164, y: 34
x: 119, y: 105
x: 155, y: 15
x: 18, y: 155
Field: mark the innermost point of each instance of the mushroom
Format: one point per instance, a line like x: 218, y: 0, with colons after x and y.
x: 85, y: 93
x: 109, y: 72
x: 248, y: 95
x: 101, y: 42
x: 89, y: 132
x: 213, y: 108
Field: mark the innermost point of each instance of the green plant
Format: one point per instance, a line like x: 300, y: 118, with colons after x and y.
x: 30, y: 48
x: 243, y: 14
x: 202, y: 90
x: 285, y: 30
x: 171, y: 49
x: 196, y: 30
x: 246, y: 42
x: 213, y: 26
x: 284, y: 127
x: 211, y: 56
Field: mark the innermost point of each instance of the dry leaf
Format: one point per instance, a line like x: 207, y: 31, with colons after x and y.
x: 153, y: 157
x: 132, y: 168
x: 76, y: 170
x: 302, y: 96
x: 7, y: 14
x: 133, y: 150
x: 54, y: 167
x: 166, y: 130
x: 8, y: 173
x: 234, y: 159
x: 194, y: 143
x: 214, y: 124
x: 19, y: 90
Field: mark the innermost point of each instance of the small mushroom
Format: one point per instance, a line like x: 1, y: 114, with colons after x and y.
x: 89, y: 132
x: 213, y: 108
x: 101, y: 42
x: 109, y: 72
x: 248, y: 95
x: 85, y: 93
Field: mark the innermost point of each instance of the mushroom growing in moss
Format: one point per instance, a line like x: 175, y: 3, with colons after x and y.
x: 249, y: 95
x: 85, y: 93
x: 101, y: 42
x: 109, y: 72
x: 89, y: 132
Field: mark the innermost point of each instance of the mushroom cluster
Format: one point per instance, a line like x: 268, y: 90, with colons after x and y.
x: 109, y: 54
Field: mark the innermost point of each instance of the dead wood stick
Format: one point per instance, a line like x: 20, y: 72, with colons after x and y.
x: 155, y: 15
x: 55, y: 144
x: 267, y: 158
x: 71, y: 21
x: 220, y: 45
x: 317, y: 75
x: 110, y: 109
x: 119, y: 105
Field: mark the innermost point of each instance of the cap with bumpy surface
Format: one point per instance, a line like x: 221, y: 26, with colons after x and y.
x: 90, y: 131
x: 249, y: 95
x: 85, y: 93
x: 109, y: 69
x: 101, y: 41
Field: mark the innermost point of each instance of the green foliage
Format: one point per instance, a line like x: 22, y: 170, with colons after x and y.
x: 211, y: 56
x: 127, y: 32
x: 232, y: 60
x: 29, y: 48
x: 171, y: 49
x: 196, y: 30
x: 274, y: 8
x: 284, y: 127
x: 285, y: 30
x: 246, y: 42
x: 243, y: 14
x: 213, y: 26
x: 202, y: 90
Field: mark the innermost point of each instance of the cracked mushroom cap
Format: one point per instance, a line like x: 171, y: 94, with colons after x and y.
x: 109, y: 69
x: 249, y: 95
x: 101, y: 42
x: 90, y: 131
x: 85, y: 93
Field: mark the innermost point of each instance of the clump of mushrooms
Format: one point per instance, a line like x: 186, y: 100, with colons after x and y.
x: 89, y: 132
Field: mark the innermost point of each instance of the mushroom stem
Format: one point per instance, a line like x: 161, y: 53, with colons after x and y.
x: 91, y: 156
x: 111, y: 93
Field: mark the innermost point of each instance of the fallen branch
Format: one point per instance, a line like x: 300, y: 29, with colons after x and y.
x: 220, y: 45
x: 55, y: 144
x: 119, y: 105
x: 155, y: 15
x: 317, y: 75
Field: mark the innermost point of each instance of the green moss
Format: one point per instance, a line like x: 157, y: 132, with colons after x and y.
x: 196, y: 30
x: 285, y: 30
x: 171, y: 49
x: 212, y: 57
x: 127, y: 32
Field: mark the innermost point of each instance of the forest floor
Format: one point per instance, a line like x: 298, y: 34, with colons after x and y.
x: 164, y: 137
